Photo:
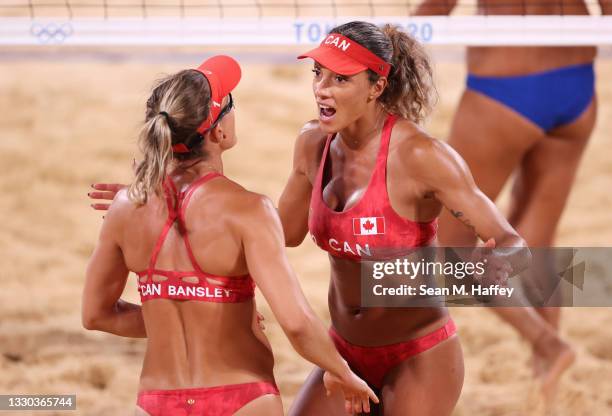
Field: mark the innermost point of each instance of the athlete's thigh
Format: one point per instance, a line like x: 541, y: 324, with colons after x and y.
x: 428, y: 384
x: 312, y: 399
x: 140, y: 412
x: 545, y: 179
x: 492, y: 139
x: 267, y: 405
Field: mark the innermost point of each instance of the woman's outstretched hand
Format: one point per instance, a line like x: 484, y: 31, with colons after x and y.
x: 357, y: 394
x: 497, y: 270
x: 104, y: 191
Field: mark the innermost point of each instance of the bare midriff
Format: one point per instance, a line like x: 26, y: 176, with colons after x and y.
x: 373, y: 326
x: 519, y: 60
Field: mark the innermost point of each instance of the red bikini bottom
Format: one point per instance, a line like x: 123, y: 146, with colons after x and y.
x: 373, y: 363
x: 208, y: 401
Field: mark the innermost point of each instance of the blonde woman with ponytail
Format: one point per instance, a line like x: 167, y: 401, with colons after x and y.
x: 368, y: 185
x: 200, y: 244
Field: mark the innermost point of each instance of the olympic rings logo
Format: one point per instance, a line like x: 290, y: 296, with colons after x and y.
x: 51, y: 32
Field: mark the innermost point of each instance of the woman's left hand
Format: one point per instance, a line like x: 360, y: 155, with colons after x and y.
x: 104, y: 191
x: 357, y: 394
x: 497, y: 269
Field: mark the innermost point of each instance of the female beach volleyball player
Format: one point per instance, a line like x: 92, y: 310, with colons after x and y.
x: 527, y: 112
x: 366, y: 181
x: 198, y: 243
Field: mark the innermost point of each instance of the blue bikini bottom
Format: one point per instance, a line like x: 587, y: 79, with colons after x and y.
x: 548, y: 99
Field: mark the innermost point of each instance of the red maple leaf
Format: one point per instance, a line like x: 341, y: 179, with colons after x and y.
x: 368, y: 225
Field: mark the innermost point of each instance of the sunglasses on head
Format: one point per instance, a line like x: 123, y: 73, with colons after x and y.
x: 224, y: 111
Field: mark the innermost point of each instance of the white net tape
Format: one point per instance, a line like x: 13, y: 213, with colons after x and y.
x: 227, y: 22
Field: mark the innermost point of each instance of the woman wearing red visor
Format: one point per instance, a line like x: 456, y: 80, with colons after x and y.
x: 366, y: 181
x: 199, y: 242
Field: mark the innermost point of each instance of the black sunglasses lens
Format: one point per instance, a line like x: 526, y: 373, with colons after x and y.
x: 228, y: 107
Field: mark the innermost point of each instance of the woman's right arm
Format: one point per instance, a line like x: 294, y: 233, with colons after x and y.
x: 105, y: 279
x: 294, y: 202
x: 263, y: 242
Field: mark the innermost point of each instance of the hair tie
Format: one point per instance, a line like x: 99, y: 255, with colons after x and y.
x: 169, y: 120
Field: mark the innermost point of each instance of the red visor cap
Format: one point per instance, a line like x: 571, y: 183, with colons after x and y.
x: 223, y: 74
x: 346, y: 57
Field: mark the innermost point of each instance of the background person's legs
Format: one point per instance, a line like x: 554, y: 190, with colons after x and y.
x: 541, y: 189
x: 494, y: 141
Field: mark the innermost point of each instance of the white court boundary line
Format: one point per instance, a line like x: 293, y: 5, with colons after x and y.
x: 439, y: 30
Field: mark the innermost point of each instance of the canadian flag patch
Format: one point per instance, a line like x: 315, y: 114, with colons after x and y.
x: 368, y: 225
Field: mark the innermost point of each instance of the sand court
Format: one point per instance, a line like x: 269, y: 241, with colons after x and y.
x: 67, y: 125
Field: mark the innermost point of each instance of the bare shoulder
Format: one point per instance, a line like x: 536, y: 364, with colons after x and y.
x: 415, y: 149
x: 121, y: 206
x: 311, y: 134
x: 118, y: 216
x: 309, y: 147
x: 237, y: 201
x: 248, y: 212
x: 428, y: 161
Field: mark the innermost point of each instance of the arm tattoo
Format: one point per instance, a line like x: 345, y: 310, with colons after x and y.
x: 460, y: 217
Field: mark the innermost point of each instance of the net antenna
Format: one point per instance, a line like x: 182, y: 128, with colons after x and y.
x: 285, y: 22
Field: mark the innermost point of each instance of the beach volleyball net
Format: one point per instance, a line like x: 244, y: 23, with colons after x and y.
x: 283, y: 22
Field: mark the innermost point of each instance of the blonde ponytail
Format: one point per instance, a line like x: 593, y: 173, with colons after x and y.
x: 155, y: 141
x: 175, y: 109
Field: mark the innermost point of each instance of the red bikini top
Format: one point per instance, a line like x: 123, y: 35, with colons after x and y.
x: 371, y: 229
x: 209, y: 287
